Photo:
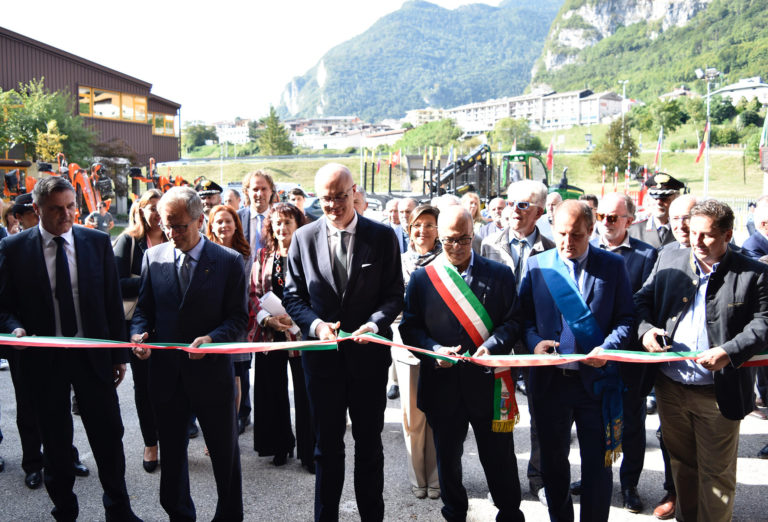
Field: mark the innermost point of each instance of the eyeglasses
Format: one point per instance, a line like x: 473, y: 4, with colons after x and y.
x: 423, y: 226
x: 179, y: 229
x: 610, y: 218
x: 681, y: 219
x: 521, y: 205
x: 338, y: 199
x: 454, y: 241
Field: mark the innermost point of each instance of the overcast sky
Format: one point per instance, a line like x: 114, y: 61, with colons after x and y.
x: 220, y: 60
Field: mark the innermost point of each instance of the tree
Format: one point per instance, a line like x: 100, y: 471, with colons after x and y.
x: 28, y: 111
x: 667, y: 114
x: 196, y: 136
x: 695, y: 108
x: 721, y: 109
x: 49, y: 143
x: 612, y: 152
x: 274, y: 139
x: 641, y: 118
x: 435, y: 133
x: 510, y: 130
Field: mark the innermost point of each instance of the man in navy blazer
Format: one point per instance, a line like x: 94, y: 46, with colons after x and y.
x: 344, y: 273
x: 453, y: 396
x: 260, y: 189
x: 83, y: 300
x: 192, y: 292
x: 756, y: 245
x: 566, y: 392
x: 615, y: 213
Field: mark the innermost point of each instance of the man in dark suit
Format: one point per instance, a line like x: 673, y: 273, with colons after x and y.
x: 404, y: 208
x: 512, y: 247
x: 60, y: 280
x: 596, y: 284
x: 615, y: 213
x: 756, y: 245
x: 714, y: 300
x: 192, y: 292
x: 663, y: 189
x: 344, y: 273
x: 453, y: 396
x: 261, y: 192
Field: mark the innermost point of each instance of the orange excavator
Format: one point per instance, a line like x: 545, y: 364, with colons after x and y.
x: 153, y: 179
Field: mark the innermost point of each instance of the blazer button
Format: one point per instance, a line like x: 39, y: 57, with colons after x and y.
x: 685, y: 299
x: 695, y: 282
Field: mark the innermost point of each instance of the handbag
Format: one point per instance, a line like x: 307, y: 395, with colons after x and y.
x: 129, y: 305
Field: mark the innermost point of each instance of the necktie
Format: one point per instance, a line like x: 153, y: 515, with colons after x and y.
x: 567, y: 339
x: 521, y: 244
x: 67, y: 316
x: 258, y: 222
x: 663, y: 231
x: 340, y: 261
x: 183, y: 272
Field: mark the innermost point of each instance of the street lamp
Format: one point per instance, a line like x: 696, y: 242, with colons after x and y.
x: 710, y: 74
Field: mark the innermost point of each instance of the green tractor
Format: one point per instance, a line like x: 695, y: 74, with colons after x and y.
x: 530, y: 165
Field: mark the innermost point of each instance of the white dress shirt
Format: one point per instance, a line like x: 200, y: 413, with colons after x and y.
x: 49, y: 253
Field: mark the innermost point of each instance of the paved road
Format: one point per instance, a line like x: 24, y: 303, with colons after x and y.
x: 286, y: 493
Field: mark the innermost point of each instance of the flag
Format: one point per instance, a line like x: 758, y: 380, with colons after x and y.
x: 657, y: 159
x: 551, y: 155
x: 763, y: 137
x: 450, y: 156
x: 395, y: 158
x: 378, y: 166
x: 704, y: 142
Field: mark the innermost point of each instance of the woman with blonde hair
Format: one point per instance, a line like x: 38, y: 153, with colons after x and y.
x: 471, y: 201
x: 143, y: 232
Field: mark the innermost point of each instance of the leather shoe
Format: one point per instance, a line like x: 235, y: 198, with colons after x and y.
x: 2, y: 465
x: 149, y: 465
x: 763, y: 453
x: 433, y: 493
x: 650, y: 405
x: 521, y: 388
x: 33, y: 480
x: 394, y: 392
x: 80, y: 469
x: 632, y: 502
x: 542, y: 497
x: 193, y: 431
x: 666, y: 508
x: 419, y: 492
x: 576, y: 488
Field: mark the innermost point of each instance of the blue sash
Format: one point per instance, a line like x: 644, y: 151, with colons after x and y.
x: 569, y: 301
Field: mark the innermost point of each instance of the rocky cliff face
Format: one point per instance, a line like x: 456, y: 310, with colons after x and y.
x: 583, y: 23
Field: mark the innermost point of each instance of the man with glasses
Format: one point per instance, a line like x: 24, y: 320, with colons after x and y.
x: 679, y: 218
x: 344, y: 274
x: 655, y: 230
x: 192, y: 292
x: 495, y: 208
x: 454, y: 396
x: 615, y: 213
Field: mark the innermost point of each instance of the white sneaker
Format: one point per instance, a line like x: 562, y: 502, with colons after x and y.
x: 543, y: 497
x: 3, y: 364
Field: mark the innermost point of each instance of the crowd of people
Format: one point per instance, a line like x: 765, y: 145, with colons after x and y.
x: 535, y: 275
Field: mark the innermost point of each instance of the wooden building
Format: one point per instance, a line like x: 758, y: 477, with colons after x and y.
x: 115, y: 105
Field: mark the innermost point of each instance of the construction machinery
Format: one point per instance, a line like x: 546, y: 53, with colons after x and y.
x: 153, y: 179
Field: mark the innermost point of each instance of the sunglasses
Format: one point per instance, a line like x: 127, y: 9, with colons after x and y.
x: 610, y: 218
x: 521, y: 205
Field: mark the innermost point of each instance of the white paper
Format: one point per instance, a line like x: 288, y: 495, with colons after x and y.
x: 274, y: 306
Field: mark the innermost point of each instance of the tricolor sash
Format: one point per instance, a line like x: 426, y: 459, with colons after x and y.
x: 588, y: 335
x: 474, y: 318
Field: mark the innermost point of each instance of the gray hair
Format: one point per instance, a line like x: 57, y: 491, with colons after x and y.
x: 528, y: 187
x: 50, y: 185
x: 185, y: 196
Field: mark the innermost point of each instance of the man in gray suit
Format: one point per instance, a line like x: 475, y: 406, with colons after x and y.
x: 192, y: 293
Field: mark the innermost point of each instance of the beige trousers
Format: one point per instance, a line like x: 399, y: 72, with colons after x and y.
x: 703, y: 446
x: 419, y: 441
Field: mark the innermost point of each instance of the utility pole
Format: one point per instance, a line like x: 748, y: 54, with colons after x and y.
x: 710, y: 74
x: 623, y: 107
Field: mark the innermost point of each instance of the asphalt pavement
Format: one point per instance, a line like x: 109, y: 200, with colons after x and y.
x: 275, y: 494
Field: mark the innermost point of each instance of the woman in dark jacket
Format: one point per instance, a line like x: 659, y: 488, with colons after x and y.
x: 143, y: 232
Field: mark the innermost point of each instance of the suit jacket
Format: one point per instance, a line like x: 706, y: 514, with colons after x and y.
x: 429, y: 324
x: 755, y: 246
x: 26, y: 300
x: 484, y: 231
x: 639, y: 259
x: 737, y: 315
x: 608, y: 294
x: 245, y: 219
x: 214, y: 304
x: 496, y: 248
x: 374, y: 291
x: 402, y: 237
x: 646, y: 232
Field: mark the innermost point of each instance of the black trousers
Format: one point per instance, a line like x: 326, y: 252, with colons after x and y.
x: 331, y: 393
x: 272, y: 432
x: 144, y: 410
x: 48, y: 376
x: 497, y: 456
x: 242, y: 369
x: 26, y: 420
x: 633, y: 440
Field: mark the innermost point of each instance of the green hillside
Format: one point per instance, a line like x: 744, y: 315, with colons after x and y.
x: 730, y: 35
x: 424, y: 55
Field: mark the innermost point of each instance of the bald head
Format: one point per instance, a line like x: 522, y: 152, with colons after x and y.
x: 679, y: 218
x: 454, y: 227
x: 404, y: 209
x: 336, y: 189
x: 572, y: 226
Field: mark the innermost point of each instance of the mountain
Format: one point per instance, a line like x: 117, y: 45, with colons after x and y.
x: 655, y: 44
x: 424, y: 55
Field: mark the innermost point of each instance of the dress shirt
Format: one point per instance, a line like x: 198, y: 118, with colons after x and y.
x: 256, y: 230
x: 49, y: 253
x: 194, y: 257
x: 467, y: 273
x: 333, y: 237
x: 576, y: 269
x: 691, y: 335
x: 514, y: 246
x: 624, y: 244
